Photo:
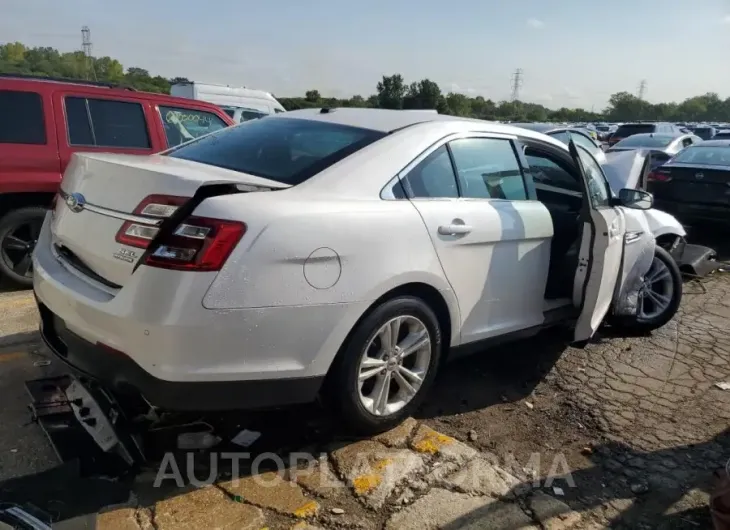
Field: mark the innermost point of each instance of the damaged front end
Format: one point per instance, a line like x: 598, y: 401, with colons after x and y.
x: 630, y: 169
x: 638, y: 256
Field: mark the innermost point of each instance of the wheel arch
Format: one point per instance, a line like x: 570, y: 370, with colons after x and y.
x: 15, y: 201
x: 443, y: 303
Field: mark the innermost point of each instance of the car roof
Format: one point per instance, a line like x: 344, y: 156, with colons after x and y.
x: 658, y: 135
x: 713, y: 143
x: 387, y: 121
x: 39, y: 84
x: 539, y: 127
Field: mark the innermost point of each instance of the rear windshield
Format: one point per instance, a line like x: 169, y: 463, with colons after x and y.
x: 634, y: 128
x: 704, y: 156
x: 704, y: 132
x: 286, y: 150
x: 721, y: 135
x: 646, y: 140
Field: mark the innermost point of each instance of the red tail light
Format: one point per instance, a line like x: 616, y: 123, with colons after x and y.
x: 199, y: 244
x: 139, y: 234
x: 196, y: 244
x: 656, y: 176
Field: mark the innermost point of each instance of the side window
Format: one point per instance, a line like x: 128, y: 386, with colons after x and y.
x: 546, y: 172
x: 106, y: 123
x: 596, y: 180
x: 277, y: 111
x: 252, y: 115
x: 433, y: 177
x: 182, y: 125
x: 687, y: 142
x: 580, y: 139
x: 488, y: 169
x: 23, y: 121
x: 77, y: 120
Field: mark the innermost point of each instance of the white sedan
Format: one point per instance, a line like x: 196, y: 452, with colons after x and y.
x: 343, y: 252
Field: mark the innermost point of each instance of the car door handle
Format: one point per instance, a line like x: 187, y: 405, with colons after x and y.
x: 454, y: 229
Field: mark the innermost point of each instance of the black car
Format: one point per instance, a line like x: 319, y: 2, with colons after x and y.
x: 695, y: 184
x: 704, y: 132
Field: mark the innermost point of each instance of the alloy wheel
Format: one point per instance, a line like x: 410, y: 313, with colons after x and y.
x: 394, y: 365
x: 16, y: 248
x: 656, y: 292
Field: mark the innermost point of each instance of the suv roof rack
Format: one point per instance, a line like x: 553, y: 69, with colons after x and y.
x: 68, y: 80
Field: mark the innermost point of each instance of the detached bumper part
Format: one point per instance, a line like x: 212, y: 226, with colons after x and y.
x: 697, y: 260
x: 122, y: 375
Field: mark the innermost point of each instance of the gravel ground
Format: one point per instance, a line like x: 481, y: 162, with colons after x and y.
x: 638, y: 422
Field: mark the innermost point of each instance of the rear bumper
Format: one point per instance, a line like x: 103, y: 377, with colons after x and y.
x: 120, y: 373
x: 694, y: 212
x: 155, y: 336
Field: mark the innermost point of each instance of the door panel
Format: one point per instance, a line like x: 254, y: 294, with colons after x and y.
x: 601, y: 250
x: 495, y: 253
x: 28, y: 150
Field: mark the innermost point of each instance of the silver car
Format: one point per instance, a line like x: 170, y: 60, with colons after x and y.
x: 662, y: 146
x: 565, y: 134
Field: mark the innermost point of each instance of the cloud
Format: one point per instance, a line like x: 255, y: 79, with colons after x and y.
x: 726, y: 19
x: 570, y: 94
x: 457, y: 89
x: 535, y: 23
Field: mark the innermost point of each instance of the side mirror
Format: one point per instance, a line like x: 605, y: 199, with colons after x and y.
x: 636, y: 199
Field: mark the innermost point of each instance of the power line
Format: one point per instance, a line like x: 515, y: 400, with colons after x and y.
x: 86, y: 47
x: 516, y: 84
x: 642, y: 89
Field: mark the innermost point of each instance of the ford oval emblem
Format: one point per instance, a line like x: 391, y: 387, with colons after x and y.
x: 75, y: 202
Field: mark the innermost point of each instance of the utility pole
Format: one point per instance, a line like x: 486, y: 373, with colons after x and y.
x: 86, y: 47
x: 642, y: 89
x: 516, y: 84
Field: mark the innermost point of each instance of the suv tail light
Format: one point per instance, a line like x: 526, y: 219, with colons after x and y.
x: 198, y: 243
x: 140, y: 234
x: 656, y: 176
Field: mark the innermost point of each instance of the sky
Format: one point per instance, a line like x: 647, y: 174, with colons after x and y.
x: 573, y: 53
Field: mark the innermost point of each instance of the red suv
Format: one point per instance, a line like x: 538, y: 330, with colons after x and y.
x: 43, y: 121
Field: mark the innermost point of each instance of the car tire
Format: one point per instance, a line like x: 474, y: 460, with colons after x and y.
x: 26, y: 223
x: 644, y: 324
x: 349, y: 397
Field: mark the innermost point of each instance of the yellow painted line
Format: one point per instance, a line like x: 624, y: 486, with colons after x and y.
x: 12, y: 356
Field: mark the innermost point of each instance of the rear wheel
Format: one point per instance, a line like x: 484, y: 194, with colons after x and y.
x: 659, y: 296
x: 387, y: 366
x: 19, y: 231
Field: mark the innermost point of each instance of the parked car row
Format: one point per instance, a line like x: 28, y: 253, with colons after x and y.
x: 690, y: 172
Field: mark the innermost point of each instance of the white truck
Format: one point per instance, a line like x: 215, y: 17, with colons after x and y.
x: 241, y: 104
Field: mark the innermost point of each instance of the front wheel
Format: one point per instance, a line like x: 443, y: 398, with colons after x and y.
x: 659, y: 296
x: 386, y: 367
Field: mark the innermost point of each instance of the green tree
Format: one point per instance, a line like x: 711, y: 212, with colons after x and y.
x: 391, y: 91
x: 458, y: 104
x: 424, y: 94
x: 312, y: 96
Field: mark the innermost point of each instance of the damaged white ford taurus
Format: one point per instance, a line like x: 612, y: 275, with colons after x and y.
x: 336, y: 252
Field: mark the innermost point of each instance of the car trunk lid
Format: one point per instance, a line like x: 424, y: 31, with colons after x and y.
x: 100, y: 193
x: 691, y: 184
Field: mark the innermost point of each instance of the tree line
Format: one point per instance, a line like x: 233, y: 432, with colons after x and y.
x: 391, y: 92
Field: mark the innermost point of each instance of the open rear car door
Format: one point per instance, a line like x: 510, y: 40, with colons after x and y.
x: 601, y: 246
